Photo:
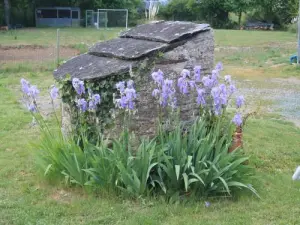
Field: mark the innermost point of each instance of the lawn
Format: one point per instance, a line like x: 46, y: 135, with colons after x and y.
x: 258, y: 60
x: 47, y: 36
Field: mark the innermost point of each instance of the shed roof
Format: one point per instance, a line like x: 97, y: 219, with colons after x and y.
x: 63, y: 8
x: 118, y: 55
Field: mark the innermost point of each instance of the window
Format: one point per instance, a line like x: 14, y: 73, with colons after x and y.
x: 63, y: 13
x: 46, y: 13
x: 75, y: 14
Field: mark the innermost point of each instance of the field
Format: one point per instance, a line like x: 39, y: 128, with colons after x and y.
x: 259, y: 61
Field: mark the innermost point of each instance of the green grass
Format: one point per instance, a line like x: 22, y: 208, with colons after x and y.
x: 252, y: 38
x: 47, y: 36
x: 272, y: 143
x: 72, y: 36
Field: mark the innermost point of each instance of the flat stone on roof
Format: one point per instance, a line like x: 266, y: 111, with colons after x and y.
x: 87, y: 67
x: 165, y: 31
x: 126, y: 48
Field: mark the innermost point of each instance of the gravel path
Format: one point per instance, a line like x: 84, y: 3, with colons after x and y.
x: 279, y: 96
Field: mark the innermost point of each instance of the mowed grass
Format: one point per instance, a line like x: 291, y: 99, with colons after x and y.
x: 69, y: 36
x: 248, y: 38
x: 272, y: 143
x: 47, y: 36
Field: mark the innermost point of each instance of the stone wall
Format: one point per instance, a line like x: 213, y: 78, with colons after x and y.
x: 199, y: 50
x: 170, y: 46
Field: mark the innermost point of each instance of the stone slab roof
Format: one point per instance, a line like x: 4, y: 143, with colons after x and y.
x: 165, y: 31
x: 118, y: 55
x: 88, y: 67
x: 126, y: 48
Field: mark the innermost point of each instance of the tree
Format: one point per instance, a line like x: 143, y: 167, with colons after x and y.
x: 277, y: 11
x: 239, y: 7
x: 216, y: 12
x: 7, y: 12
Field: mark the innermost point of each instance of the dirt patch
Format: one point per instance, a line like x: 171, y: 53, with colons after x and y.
x: 27, y: 53
x: 61, y: 196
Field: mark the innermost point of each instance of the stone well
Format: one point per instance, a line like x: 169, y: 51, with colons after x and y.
x: 167, y: 45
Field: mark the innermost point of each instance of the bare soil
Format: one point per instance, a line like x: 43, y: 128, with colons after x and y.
x: 25, y: 53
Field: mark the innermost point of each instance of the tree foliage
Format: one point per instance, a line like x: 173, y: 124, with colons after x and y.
x: 279, y: 12
x: 216, y: 12
x: 22, y: 11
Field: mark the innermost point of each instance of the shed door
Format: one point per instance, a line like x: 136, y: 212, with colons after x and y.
x: 75, y: 18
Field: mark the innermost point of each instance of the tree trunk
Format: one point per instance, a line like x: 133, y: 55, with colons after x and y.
x: 7, y: 12
x: 240, y: 18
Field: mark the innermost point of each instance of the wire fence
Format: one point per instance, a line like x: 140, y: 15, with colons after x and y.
x: 32, y: 55
x: 40, y: 49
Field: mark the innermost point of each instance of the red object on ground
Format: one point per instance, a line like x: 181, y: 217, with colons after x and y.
x: 237, y: 140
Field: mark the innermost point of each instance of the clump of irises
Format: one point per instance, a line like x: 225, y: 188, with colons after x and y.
x: 207, y: 88
x: 165, y: 90
x: 127, y: 96
x: 89, y: 103
x: 30, y: 94
x: 85, y: 104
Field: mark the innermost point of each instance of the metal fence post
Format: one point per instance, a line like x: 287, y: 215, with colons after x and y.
x: 298, y: 43
x: 57, y: 46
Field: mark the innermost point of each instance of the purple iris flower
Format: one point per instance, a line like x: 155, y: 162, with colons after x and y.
x: 30, y: 94
x: 130, y: 84
x: 54, y: 92
x: 201, y: 97
x: 183, y: 85
x: 215, y: 77
x: 96, y: 98
x: 237, y: 119
x: 192, y: 84
x: 207, y: 82
x: 197, y: 73
x: 94, y: 101
x: 219, y: 66
x: 184, y: 82
x: 78, y: 85
x: 127, y: 95
x: 168, y: 94
x: 155, y: 92
x: 82, y: 104
x: 121, y: 86
x: 33, y: 91
x: 165, y: 90
x: 158, y: 77
x: 223, y: 94
x: 215, y: 93
x: 232, y: 89
x: 240, y: 100
x: 227, y: 79
x: 219, y: 95
x: 185, y: 73
x: 25, y: 86
x: 31, y: 107
x: 207, y: 204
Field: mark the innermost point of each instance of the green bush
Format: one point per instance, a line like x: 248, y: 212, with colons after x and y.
x: 293, y: 28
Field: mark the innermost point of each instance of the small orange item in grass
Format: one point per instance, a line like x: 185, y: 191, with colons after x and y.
x: 237, y: 140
